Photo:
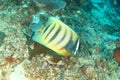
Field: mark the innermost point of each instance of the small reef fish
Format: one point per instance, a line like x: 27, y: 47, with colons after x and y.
x: 51, y: 4
x: 58, y: 37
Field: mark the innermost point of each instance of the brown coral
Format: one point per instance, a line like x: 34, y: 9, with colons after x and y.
x: 117, y: 54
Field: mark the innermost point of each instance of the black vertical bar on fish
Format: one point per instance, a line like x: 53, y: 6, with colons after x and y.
x: 49, y: 31
x: 56, y: 34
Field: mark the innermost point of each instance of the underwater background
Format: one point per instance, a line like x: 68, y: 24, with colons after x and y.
x: 90, y: 43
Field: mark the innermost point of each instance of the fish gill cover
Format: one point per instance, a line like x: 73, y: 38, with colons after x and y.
x: 51, y: 4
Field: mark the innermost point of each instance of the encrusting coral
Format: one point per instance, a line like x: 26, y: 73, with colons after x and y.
x: 117, y: 54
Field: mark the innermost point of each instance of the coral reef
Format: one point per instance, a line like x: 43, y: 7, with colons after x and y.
x: 98, y: 61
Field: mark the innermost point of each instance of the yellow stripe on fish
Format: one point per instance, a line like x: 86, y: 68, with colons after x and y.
x: 58, y: 37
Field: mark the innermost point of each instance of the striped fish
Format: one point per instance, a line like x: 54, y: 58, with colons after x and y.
x: 58, y: 37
